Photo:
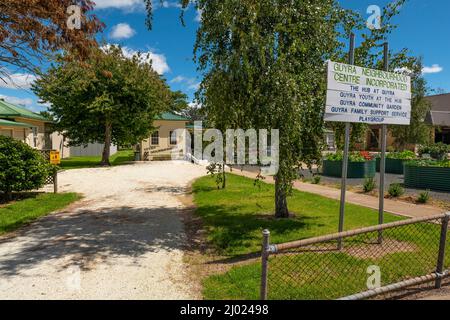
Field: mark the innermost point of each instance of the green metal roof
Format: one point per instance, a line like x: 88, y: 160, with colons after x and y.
x: 171, y: 116
x: 8, y: 110
x: 8, y: 123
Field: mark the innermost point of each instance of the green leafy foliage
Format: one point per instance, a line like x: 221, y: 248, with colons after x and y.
x: 352, y: 157
x: 418, y: 132
x: 109, y: 99
x: 369, y: 185
x: 21, y: 167
x: 404, y: 155
x: 424, y: 197
x: 429, y: 163
x: 263, y: 66
x: 396, y: 190
x: 438, y: 151
x: 316, y: 179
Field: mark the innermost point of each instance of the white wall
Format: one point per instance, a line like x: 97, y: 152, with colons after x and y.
x: 92, y: 149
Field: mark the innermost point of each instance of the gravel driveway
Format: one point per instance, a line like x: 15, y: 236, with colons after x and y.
x: 122, y: 241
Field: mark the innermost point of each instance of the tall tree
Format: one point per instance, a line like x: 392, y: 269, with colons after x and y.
x: 263, y: 65
x: 107, y: 99
x: 30, y: 30
x: 418, y: 132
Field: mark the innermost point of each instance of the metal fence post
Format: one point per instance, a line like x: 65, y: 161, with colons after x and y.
x: 441, y: 255
x: 55, y: 181
x: 264, y: 263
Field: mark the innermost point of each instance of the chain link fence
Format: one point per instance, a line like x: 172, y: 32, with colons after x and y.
x: 410, y: 252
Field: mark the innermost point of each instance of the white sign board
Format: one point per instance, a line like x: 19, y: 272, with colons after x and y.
x: 362, y: 95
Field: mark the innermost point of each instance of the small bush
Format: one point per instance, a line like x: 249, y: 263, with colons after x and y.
x: 396, y: 190
x: 21, y: 167
x: 352, y: 157
x: 369, y: 185
x: 404, y: 155
x: 316, y: 179
x: 424, y: 197
x: 438, y: 151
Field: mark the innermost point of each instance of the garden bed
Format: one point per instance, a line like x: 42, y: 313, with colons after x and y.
x: 395, y: 161
x: 394, y: 166
x: 427, y: 177
x: 356, y: 170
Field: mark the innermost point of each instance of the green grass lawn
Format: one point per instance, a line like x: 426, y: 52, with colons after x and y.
x: 235, y: 217
x: 17, y: 214
x: 89, y: 162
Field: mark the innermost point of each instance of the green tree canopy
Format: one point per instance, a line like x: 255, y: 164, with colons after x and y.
x: 108, y: 99
x: 264, y: 67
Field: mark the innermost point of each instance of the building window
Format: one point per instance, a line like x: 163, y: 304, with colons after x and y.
x: 155, y: 138
x: 173, y: 138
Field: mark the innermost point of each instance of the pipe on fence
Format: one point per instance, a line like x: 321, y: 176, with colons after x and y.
x: 346, y: 234
x: 392, y: 287
x: 437, y: 276
x: 441, y: 255
x: 264, y: 264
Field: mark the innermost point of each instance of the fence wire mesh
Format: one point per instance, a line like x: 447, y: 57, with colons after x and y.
x: 321, y: 271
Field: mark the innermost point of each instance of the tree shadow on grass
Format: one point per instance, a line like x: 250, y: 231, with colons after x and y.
x: 87, y: 237
x: 231, y: 227
x: 18, y: 196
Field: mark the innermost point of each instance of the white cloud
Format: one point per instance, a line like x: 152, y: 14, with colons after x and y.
x: 19, y: 101
x: 122, y: 31
x: 17, y: 81
x: 119, y: 4
x: 189, y: 83
x: 435, y: 68
x: 178, y: 79
x: 159, y: 61
x: 134, y: 5
x: 198, y: 16
x: 170, y: 4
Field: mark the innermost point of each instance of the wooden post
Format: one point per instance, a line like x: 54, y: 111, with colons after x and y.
x: 55, y: 182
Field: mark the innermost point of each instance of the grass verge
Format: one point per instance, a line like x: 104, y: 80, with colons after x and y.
x: 234, y: 218
x: 17, y: 214
x: 91, y: 162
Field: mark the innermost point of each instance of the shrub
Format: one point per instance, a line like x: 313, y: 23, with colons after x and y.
x: 396, y: 190
x: 424, y: 197
x: 369, y: 185
x: 429, y: 163
x: 352, y: 157
x: 316, y: 179
x: 437, y: 151
x: 404, y: 155
x: 21, y: 167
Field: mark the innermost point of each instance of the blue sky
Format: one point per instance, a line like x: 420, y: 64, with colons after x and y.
x: 424, y: 28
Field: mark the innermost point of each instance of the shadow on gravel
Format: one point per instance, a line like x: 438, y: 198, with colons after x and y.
x: 88, y: 237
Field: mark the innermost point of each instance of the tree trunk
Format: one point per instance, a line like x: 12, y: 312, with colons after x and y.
x: 107, y: 146
x: 281, y: 207
x: 8, y: 195
x: 224, y: 177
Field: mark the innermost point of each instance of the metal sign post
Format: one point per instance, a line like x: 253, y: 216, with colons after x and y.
x: 351, y: 61
x: 383, y: 157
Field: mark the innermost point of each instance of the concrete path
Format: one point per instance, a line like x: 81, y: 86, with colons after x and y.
x: 122, y: 241
x: 392, y: 206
